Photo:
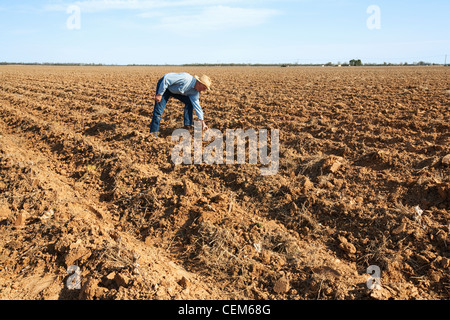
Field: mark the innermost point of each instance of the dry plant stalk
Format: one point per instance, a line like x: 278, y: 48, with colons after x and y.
x: 115, y: 257
x: 306, y: 215
x: 311, y: 163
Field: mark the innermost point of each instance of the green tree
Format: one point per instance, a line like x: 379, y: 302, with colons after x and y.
x: 355, y: 62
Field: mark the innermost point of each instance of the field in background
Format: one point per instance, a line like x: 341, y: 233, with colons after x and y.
x: 364, y: 179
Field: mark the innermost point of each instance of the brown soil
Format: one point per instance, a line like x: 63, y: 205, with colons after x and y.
x: 83, y: 183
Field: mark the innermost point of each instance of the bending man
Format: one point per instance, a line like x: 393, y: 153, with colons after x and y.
x: 185, y: 88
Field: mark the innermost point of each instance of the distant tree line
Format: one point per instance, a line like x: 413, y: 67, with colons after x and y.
x: 51, y: 64
x: 353, y: 62
x: 358, y: 62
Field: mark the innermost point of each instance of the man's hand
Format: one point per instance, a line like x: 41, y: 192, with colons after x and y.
x: 158, y: 98
x: 204, y: 126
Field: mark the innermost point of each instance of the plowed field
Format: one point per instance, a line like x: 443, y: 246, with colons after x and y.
x: 363, y: 180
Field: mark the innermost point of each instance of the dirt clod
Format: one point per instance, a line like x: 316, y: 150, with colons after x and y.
x: 446, y: 160
x: 19, y: 221
x: 121, y: 280
x: 281, y: 285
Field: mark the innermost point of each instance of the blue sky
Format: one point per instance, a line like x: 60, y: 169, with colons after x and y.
x: 223, y: 31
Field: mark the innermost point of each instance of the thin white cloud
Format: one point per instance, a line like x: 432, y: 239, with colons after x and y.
x: 90, y: 6
x: 150, y: 14
x: 216, y: 18
x: 184, y: 15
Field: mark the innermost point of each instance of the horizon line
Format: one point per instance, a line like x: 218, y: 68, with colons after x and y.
x: 282, y: 64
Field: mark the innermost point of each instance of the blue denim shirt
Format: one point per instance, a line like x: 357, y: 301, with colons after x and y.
x: 182, y: 83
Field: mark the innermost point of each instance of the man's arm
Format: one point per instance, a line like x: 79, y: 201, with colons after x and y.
x: 198, y: 109
x: 166, y: 81
x: 204, y: 126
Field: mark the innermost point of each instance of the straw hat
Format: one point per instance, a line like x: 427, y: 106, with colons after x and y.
x: 204, y: 80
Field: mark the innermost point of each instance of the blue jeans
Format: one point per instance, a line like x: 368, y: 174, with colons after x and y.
x: 159, y: 109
